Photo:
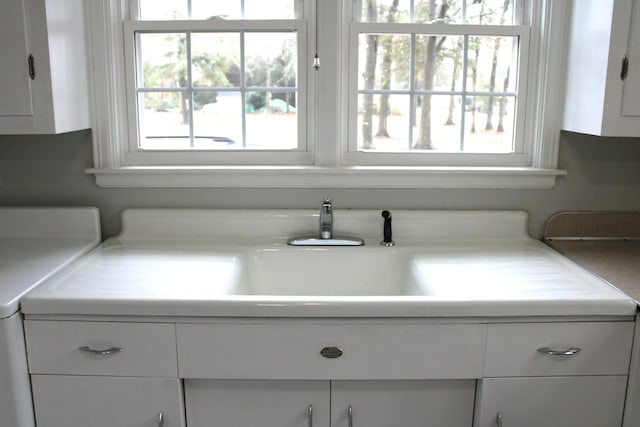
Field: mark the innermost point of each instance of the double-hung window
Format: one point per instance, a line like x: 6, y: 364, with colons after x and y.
x: 438, y: 82
x: 216, y: 82
x: 408, y: 93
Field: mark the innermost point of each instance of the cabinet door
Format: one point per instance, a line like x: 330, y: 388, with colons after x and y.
x: 55, y: 99
x: 597, y: 100
x: 247, y: 403
x: 551, y: 401
x: 444, y: 403
x: 65, y: 401
x: 14, y: 77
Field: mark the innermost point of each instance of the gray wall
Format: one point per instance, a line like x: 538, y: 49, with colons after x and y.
x: 603, y: 174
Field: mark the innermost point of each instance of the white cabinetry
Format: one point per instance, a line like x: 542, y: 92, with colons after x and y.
x: 65, y: 401
x: 328, y: 373
x: 599, y: 101
x: 104, y: 374
x: 564, y: 374
x: 403, y: 373
x: 329, y: 403
x: 551, y: 401
x: 257, y: 403
x: 43, y: 78
x: 402, y: 403
x: 292, y: 350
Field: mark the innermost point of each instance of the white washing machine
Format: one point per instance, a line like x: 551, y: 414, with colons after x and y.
x: 35, y: 243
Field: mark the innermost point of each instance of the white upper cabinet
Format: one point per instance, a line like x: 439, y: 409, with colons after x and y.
x: 603, y: 74
x: 43, y: 78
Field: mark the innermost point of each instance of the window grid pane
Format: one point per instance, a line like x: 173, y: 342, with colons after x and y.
x: 168, y: 10
x: 193, y: 97
x: 461, y: 90
x: 485, y: 12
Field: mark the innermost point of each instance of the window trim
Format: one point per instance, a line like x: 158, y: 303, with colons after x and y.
x: 328, y: 169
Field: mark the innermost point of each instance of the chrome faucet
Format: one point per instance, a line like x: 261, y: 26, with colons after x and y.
x: 325, y: 237
x: 326, y: 220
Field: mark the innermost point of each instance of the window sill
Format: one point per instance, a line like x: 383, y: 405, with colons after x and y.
x: 319, y: 177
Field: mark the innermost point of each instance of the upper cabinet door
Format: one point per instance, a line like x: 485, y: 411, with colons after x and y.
x: 15, y: 84
x: 631, y: 96
x: 43, y: 77
x: 601, y: 97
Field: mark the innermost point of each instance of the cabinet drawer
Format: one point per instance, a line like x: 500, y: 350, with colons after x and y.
x: 293, y: 351
x: 521, y: 349
x: 147, y: 349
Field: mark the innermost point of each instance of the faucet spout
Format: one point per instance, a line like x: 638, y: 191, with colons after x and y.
x: 326, y: 237
x: 326, y: 220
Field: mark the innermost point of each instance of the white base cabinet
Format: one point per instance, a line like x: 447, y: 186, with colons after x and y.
x: 66, y: 401
x: 596, y: 401
x: 328, y: 373
x: 272, y: 403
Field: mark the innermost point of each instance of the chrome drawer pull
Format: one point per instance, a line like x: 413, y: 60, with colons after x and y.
x: 105, y: 352
x: 331, y: 352
x: 499, y: 420
x: 160, y: 419
x: 350, y: 415
x: 569, y: 352
x: 310, y: 416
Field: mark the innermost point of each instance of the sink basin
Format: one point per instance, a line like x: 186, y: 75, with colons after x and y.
x: 335, y: 272
x: 453, y: 274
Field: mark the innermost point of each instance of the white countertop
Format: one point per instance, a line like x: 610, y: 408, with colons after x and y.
x: 161, y: 274
x: 35, y: 243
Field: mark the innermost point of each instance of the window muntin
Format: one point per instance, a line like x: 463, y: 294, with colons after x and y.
x: 442, y: 92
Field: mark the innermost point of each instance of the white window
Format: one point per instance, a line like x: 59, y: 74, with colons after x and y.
x: 409, y: 93
x: 209, y: 83
x: 434, y: 78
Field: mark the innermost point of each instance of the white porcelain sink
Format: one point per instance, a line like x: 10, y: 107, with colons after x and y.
x: 336, y: 271
x: 236, y: 263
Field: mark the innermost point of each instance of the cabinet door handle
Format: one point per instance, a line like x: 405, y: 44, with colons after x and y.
x: 32, y: 67
x: 568, y: 352
x: 499, y: 420
x: 350, y: 415
x: 624, y: 70
x: 160, y: 419
x: 105, y: 352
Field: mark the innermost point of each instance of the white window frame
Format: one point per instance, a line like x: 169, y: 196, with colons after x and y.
x: 520, y: 157
x: 328, y: 162
x: 145, y: 157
